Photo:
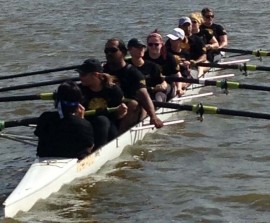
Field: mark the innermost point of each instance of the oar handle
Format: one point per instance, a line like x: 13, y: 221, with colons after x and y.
x: 28, y: 121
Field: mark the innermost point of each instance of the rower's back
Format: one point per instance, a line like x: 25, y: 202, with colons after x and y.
x: 65, y: 133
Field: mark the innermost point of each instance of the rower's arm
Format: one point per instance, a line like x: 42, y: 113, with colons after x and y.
x: 145, y: 101
x: 223, y: 41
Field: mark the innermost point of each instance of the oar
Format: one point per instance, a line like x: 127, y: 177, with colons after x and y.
x: 222, y: 84
x: 201, y: 109
x: 257, y: 53
x: 40, y: 72
x: 33, y: 121
x: 42, y: 96
x: 241, y: 67
x: 44, y: 83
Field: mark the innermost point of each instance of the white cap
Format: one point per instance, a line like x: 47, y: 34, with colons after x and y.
x: 177, y: 34
x: 184, y: 20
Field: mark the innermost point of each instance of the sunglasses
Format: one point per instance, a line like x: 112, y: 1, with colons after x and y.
x: 153, y: 44
x: 110, y: 50
x: 209, y: 16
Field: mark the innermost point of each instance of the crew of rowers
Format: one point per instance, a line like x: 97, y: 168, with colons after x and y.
x: 127, y: 85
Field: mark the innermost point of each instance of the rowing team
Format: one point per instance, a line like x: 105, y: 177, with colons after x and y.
x: 140, y: 79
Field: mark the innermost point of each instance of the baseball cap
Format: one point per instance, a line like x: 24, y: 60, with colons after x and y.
x: 90, y: 65
x: 177, y: 34
x: 184, y: 20
x: 135, y: 43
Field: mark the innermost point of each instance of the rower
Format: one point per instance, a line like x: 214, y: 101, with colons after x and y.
x: 173, y: 46
x: 156, y: 86
x: 65, y: 132
x: 192, y: 45
x: 210, y: 41
x: 132, y: 82
x: 100, y: 93
x: 156, y: 52
x: 216, y: 29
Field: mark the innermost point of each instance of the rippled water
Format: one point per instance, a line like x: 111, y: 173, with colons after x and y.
x: 214, y: 171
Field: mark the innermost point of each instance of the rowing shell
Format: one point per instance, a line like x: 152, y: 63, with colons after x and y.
x: 47, y: 175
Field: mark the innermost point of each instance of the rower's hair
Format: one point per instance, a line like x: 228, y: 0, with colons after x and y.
x: 107, y: 79
x: 156, y: 34
x: 206, y: 10
x: 121, y: 45
x: 69, y: 95
x: 69, y: 91
x: 196, y: 16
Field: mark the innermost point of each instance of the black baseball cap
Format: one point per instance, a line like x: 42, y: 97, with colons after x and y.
x: 135, y: 43
x: 90, y: 65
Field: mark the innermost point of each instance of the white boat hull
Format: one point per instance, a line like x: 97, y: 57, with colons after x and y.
x: 48, y: 175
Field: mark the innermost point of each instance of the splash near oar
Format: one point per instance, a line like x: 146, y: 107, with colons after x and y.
x: 223, y: 84
x: 206, y: 109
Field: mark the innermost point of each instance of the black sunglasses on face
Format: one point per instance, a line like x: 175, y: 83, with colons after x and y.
x: 153, y: 44
x: 209, y: 16
x: 110, y: 50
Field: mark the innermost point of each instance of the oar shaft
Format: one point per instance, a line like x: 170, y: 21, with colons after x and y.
x: 40, y: 72
x: 242, y: 113
x: 242, y: 67
x: 45, y: 83
x: 257, y: 53
x: 211, y: 110
x: 14, y: 123
x: 221, y: 84
x: 42, y: 96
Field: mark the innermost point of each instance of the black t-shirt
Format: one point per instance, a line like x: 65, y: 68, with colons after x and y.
x: 129, y: 78
x: 108, y: 97
x: 151, y: 72
x: 215, y: 29
x: 194, y: 48
x: 204, y: 35
x: 168, y: 65
x: 67, y: 137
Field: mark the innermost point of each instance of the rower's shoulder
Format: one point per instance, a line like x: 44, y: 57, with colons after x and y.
x: 49, y: 115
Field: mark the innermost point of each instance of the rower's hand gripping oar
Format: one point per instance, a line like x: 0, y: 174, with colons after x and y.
x: 206, y: 109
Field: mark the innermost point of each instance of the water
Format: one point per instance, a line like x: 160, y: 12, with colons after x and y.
x: 214, y: 171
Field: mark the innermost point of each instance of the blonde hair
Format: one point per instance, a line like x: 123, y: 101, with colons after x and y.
x: 196, y: 16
